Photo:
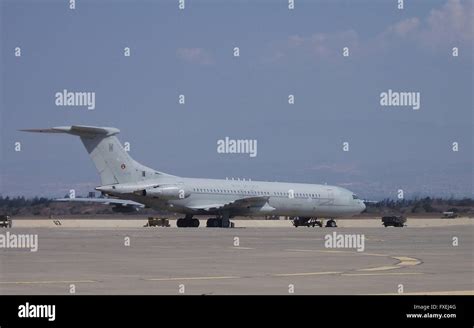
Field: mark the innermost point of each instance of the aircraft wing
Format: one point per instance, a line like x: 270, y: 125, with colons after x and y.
x: 239, y: 204
x: 105, y: 201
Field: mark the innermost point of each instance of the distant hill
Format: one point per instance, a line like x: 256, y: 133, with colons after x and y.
x: 20, y: 206
x: 427, y: 205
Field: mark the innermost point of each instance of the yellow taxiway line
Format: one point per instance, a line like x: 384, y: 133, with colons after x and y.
x: 444, y: 292
x: 403, y: 261
x: 305, y: 274
x: 382, y: 274
x: 192, y: 278
x: 48, y: 282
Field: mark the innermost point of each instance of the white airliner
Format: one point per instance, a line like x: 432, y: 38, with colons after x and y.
x: 132, y: 185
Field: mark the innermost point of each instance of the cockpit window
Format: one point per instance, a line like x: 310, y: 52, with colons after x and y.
x: 354, y: 196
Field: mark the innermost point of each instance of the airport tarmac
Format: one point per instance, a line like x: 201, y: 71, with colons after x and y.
x: 240, y: 261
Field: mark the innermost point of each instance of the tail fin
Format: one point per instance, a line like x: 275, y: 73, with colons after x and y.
x: 111, y: 160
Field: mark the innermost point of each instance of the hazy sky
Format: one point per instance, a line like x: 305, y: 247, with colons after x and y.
x: 282, y: 52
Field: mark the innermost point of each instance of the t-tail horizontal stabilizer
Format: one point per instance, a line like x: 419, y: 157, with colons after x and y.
x: 78, y: 130
x: 112, y: 161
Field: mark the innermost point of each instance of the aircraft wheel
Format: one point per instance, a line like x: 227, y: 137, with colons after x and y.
x: 331, y: 224
x: 195, y: 223
x: 224, y: 223
x: 211, y: 223
x: 180, y: 223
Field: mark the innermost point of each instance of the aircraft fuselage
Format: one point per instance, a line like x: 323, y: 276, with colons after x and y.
x: 206, y: 196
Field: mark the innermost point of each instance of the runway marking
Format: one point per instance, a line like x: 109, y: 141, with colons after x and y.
x: 305, y: 274
x: 238, y: 247
x: 48, y: 282
x: 332, y: 251
x: 317, y: 251
x: 403, y: 261
x: 301, y: 238
x: 373, y: 254
x: 446, y: 292
x: 382, y: 274
x: 406, y: 261
x: 382, y: 268
x: 367, y: 238
x: 192, y: 278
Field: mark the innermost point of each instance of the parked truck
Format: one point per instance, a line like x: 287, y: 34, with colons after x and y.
x: 394, y: 221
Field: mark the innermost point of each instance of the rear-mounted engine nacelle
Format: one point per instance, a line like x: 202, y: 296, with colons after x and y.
x: 166, y: 192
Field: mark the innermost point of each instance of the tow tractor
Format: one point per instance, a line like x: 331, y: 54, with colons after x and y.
x: 307, y: 222
x: 395, y: 221
x: 5, y: 221
x: 157, y: 222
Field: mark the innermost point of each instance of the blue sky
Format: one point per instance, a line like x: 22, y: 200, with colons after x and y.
x: 282, y: 52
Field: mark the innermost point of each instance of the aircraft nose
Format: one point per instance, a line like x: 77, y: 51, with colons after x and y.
x: 362, y: 206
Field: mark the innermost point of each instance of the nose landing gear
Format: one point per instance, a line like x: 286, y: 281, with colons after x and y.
x: 312, y: 222
x: 331, y: 224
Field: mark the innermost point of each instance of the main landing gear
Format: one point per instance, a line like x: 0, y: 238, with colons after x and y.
x: 219, y: 222
x: 187, y: 222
